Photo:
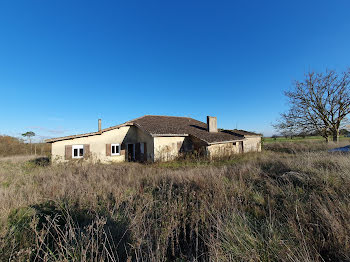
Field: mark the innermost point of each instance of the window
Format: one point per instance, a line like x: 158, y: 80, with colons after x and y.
x: 234, y: 143
x: 78, y: 151
x: 115, y: 149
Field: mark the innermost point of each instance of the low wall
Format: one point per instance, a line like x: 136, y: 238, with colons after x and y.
x: 221, y: 150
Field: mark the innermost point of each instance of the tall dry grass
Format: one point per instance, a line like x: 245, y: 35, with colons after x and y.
x: 272, y: 206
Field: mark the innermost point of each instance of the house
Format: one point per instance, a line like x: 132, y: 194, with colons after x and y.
x: 154, y: 138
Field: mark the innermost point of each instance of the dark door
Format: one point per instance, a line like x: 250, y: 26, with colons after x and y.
x: 138, y: 151
x: 240, y: 144
x: 131, y: 153
x: 144, y: 152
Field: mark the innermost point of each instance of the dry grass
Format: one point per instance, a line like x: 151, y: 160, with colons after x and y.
x: 19, y: 158
x: 302, y: 147
x: 274, y: 206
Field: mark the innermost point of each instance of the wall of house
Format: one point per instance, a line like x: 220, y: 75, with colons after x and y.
x: 198, y: 145
x: 158, y: 148
x: 167, y: 148
x: 136, y: 135
x: 122, y: 135
x: 221, y: 150
x: 146, y: 138
x: 252, y: 144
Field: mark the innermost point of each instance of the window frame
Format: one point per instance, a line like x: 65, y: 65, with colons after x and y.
x: 115, y: 154
x: 78, y: 147
x: 142, y: 148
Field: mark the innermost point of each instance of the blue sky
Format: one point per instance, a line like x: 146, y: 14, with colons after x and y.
x: 64, y: 64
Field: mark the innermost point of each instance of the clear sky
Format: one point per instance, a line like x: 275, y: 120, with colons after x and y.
x: 66, y: 63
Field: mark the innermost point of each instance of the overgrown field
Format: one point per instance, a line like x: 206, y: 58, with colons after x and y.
x: 306, y: 139
x: 288, y: 203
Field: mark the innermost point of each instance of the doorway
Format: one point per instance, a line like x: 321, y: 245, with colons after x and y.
x: 131, y: 152
x: 240, y: 147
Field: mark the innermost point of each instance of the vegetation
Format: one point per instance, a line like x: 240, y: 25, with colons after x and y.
x: 29, y: 136
x: 11, y: 146
x: 319, y: 104
x: 288, y: 203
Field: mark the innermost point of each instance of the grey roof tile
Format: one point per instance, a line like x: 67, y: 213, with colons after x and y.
x: 173, y: 125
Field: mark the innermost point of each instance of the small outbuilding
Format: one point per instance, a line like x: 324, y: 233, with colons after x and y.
x: 154, y: 138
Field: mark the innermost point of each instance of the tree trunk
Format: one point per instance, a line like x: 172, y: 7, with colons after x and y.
x: 325, y: 136
x: 31, y: 150
x: 335, y: 134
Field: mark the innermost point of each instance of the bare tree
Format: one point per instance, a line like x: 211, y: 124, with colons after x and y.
x: 319, y: 104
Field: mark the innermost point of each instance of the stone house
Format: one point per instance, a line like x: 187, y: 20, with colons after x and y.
x: 154, y: 138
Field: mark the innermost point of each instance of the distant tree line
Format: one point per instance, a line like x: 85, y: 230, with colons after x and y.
x: 11, y: 146
x: 342, y: 132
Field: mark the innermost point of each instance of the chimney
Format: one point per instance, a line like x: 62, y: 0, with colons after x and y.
x: 99, y: 125
x: 212, y: 124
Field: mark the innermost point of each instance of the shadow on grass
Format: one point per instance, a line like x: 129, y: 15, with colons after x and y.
x: 40, y: 161
x: 53, y: 228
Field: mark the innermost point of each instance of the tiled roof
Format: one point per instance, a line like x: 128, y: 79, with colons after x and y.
x: 51, y: 140
x: 173, y: 125
x: 244, y: 133
x: 170, y: 126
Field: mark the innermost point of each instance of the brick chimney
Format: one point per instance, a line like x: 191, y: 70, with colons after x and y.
x: 212, y: 126
x: 99, y: 125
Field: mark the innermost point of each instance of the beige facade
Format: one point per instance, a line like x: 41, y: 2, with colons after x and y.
x: 167, y: 148
x: 97, y: 144
x: 249, y: 144
x: 252, y: 144
x: 157, y: 148
x: 227, y: 149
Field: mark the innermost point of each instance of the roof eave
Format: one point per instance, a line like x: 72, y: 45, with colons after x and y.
x: 53, y: 140
x: 219, y: 142
x: 225, y: 142
x: 165, y: 135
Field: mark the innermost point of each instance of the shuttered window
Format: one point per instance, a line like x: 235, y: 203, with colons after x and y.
x: 77, y: 151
